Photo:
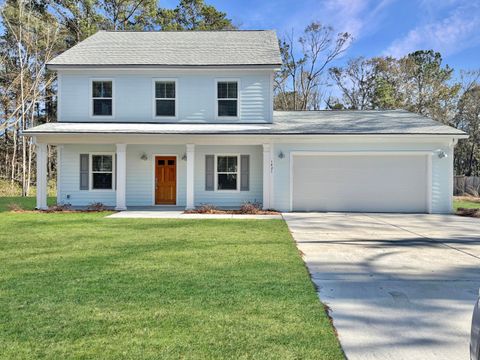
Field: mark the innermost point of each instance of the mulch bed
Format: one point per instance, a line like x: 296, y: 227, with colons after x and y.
x: 468, y: 212
x: 232, y: 212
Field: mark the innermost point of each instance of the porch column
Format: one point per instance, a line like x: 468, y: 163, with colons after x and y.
x: 267, y: 174
x: 190, y: 176
x: 121, y: 177
x: 42, y: 176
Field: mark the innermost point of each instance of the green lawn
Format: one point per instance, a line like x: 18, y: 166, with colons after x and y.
x: 466, y: 203
x: 85, y: 287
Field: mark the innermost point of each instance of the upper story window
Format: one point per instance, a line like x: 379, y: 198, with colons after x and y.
x: 227, y: 98
x: 165, y: 98
x: 102, y: 97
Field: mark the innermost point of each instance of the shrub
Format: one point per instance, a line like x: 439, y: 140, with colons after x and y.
x: 59, y: 207
x: 97, y: 206
x: 206, y: 209
x: 14, y: 207
x: 250, y: 207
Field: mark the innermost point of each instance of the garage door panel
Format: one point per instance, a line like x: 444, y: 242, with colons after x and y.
x: 376, y: 183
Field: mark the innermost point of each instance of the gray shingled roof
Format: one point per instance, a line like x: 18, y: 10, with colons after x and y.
x: 392, y: 122
x: 173, y: 48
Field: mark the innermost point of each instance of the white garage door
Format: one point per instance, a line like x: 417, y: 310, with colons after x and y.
x: 369, y: 183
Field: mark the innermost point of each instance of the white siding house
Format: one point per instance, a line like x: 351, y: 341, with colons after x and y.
x: 186, y: 118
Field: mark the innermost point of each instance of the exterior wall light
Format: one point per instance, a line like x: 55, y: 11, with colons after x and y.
x: 184, y: 157
x: 442, y: 154
x: 281, y: 155
x: 144, y: 157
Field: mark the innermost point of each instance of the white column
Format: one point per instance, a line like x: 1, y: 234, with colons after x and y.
x: 190, y: 176
x: 41, y: 176
x: 267, y: 172
x: 121, y: 177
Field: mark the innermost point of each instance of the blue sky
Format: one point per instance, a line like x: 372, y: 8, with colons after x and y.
x: 381, y: 27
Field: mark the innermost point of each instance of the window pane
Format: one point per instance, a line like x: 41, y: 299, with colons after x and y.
x: 232, y: 164
x: 102, y: 107
x: 102, y: 89
x: 227, y: 90
x: 165, y: 89
x: 222, y: 164
x: 171, y: 162
x: 159, y: 89
x: 170, y: 90
x: 227, y: 181
x: 102, y: 180
x: 227, y: 107
x: 232, y: 90
x: 101, y: 162
x: 165, y: 108
x: 222, y: 91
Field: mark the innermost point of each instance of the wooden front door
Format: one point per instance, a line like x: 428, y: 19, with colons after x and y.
x: 165, y: 180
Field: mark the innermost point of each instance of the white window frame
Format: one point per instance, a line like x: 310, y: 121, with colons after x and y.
x: 112, y: 154
x: 92, y: 98
x: 219, y: 80
x: 154, y: 105
x: 238, y: 172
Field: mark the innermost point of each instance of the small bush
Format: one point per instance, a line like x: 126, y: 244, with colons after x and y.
x: 250, y: 207
x: 97, y: 206
x: 14, y: 207
x: 59, y: 207
x: 206, y: 209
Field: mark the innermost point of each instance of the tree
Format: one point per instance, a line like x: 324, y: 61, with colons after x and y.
x: 467, y: 118
x: 29, y: 40
x: 299, y: 83
x: 193, y: 15
x: 427, y: 90
x: 357, y: 81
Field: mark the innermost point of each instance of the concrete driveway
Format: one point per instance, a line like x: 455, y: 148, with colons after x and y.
x: 398, y: 286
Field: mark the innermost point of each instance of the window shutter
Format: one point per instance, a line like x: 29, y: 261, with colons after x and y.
x: 244, y: 172
x: 209, y: 172
x: 115, y: 171
x: 84, y: 171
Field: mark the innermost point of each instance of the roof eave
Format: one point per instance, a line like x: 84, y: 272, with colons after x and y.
x: 56, y: 67
x: 87, y: 132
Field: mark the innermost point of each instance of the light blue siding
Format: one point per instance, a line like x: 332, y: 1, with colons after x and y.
x: 134, y: 95
x: 440, y: 168
x: 69, y: 178
x: 229, y: 198
x: 140, y: 175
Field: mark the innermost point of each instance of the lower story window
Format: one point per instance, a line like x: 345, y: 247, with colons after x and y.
x: 227, y: 172
x: 102, y: 172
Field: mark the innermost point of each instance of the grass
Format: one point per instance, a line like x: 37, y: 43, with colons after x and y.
x: 80, y: 286
x: 26, y: 203
x: 466, y: 202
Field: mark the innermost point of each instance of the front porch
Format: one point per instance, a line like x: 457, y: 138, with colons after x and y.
x: 132, y: 177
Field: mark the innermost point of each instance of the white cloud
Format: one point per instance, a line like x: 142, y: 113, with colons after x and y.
x: 357, y: 17
x: 450, y: 34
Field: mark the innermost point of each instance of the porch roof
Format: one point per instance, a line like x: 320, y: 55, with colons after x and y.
x: 391, y: 122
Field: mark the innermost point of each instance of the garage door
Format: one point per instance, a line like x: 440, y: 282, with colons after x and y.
x: 369, y: 183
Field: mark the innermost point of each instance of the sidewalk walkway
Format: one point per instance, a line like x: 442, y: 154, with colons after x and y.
x: 179, y: 214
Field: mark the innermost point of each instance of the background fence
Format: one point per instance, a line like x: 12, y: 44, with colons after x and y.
x: 463, y: 185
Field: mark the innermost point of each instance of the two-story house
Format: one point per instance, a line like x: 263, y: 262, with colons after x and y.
x: 186, y: 118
